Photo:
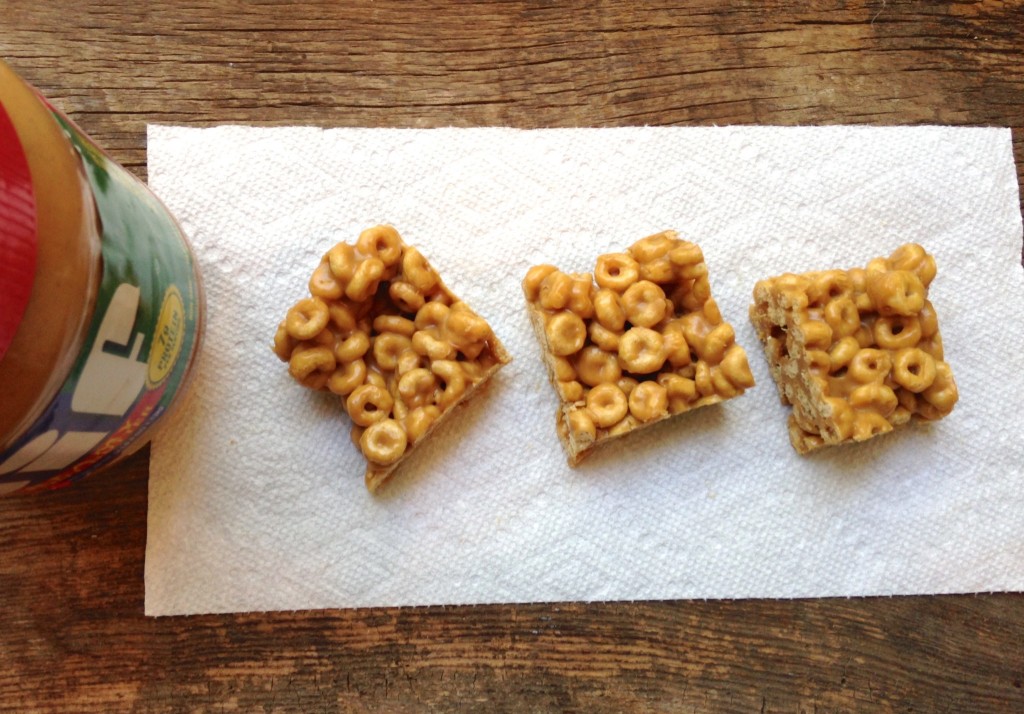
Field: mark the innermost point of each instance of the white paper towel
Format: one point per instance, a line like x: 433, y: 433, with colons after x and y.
x: 256, y: 497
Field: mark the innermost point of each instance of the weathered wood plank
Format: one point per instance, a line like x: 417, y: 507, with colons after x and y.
x: 72, y: 634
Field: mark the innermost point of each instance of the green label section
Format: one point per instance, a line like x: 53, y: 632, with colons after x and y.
x: 140, y: 344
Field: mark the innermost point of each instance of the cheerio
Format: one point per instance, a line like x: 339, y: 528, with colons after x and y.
x: 101, y: 309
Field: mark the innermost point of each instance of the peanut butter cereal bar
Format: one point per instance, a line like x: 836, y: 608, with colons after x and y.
x: 646, y: 343
x: 383, y: 332
x: 855, y: 352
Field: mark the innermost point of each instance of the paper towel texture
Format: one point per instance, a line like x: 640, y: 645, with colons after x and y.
x: 256, y: 495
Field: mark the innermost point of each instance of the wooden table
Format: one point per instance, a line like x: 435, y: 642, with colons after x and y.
x: 72, y: 633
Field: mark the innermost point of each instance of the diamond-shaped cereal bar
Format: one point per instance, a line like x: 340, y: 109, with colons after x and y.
x: 855, y: 352
x: 646, y: 343
x: 382, y: 331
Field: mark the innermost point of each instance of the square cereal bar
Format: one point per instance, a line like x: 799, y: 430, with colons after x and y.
x: 646, y: 343
x: 383, y: 332
x: 855, y: 352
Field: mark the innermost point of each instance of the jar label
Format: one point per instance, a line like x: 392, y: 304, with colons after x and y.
x: 140, y: 343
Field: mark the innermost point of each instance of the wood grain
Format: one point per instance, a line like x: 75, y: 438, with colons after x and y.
x: 72, y: 633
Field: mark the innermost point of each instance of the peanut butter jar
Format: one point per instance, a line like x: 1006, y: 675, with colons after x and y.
x: 101, y: 306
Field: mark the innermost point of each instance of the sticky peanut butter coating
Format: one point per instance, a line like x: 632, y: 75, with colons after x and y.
x: 637, y: 341
x: 856, y: 352
x: 382, y: 331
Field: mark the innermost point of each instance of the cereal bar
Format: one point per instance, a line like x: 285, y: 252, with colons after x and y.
x: 855, y: 352
x: 383, y: 332
x: 646, y: 343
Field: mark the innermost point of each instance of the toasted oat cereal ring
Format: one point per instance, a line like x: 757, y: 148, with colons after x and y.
x: 284, y: 343
x: 842, y: 316
x: 365, y: 280
x: 580, y: 301
x: 376, y: 379
x: 874, y: 396
x: 870, y: 365
x: 644, y: 303
x: 428, y: 344
x: 723, y: 387
x: 566, y: 333
x: 828, y: 285
x: 417, y: 271
x: 388, y: 347
x: 581, y: 425
x: 693, y: 272
x: 718, y: 340
x: 616, y: 271
x: 463, y: 327
x: 381, y: 242
x: 648, y: 401
x: 641, y: 350
x: 914, y: 258
x: 736, y: 369
x: 660, y: 270
x: 652, y: 247
x: 842, y: 352
x: 627, y: 384
x: 419, y: 420
x: 431, y: 315
x: 677, y: 349
x: 306, y: 360
x: 896, y: 332
x: 369, y: 403
x: 895, y: 292
x: 867, y: 424
x: 405, y: 296
x: 686, y: 253
x: 563, y: 369
x: 454, y: 379
x: 818, y: 362
x: 594, y: 366
x: 416, y: 387
x: 342, y: 261
x: 352, y: 347
x: 626, y: 425
x: 569, y: 390
x: 817, y: 334
x: 394, y: 323
x: 534, y: 277
x: 342, y: 316
x: 607, y: 405
x: 913, y: 369
x: 604, y: 338
x: 307, y: 318
x: 929, y: 321
x: 347, y: 377
x: 943, y: 393
x: 555, y: 291
x: 678, y: 386
x: 408, y: 361
x: 608, y: 310
x: 324, y: 284
x: 384, y: 442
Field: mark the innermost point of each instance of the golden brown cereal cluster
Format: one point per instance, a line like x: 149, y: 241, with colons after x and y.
x: 644, y: 343
x: 383, y: 332
x: 856, y: 352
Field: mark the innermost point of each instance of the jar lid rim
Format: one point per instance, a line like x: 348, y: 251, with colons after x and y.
x: 18, y: 234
